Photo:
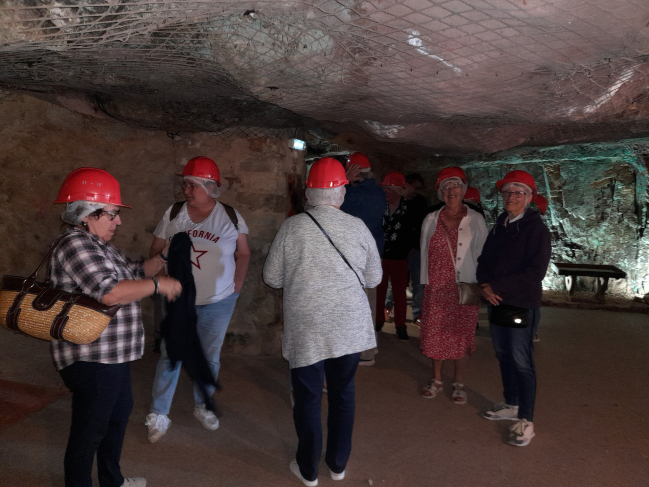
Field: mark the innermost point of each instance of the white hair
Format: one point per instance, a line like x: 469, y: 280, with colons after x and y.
x: 325, y: 196
x: 209, y: 185
x: 76, y: 211
x: 440, y: 193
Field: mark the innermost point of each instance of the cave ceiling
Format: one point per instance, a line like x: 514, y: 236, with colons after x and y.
x: 441, y: 77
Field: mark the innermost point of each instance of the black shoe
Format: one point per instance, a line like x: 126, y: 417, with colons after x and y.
x: 378, y: 327
x: 402, y: 333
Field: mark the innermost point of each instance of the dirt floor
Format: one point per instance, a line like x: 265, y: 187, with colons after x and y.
x: 592, y: 420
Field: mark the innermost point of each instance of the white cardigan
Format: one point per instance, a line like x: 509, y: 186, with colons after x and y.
x: 472, y: 234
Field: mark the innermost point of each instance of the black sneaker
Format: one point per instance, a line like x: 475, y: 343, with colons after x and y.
x: 402, y: 333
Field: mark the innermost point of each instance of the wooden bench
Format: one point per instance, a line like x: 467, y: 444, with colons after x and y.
x: 602, y: 273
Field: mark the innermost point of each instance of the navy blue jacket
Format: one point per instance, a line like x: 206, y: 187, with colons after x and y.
x: 179, y: 327
x: 366, y: 200
x: 514, y: 260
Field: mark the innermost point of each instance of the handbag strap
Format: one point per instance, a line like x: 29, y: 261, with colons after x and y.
x: 14, y: 310
x: 334, y: 246
x: 47, y: 256
x: 448, y: 242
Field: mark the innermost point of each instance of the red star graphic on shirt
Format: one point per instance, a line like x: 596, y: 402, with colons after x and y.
x: 197, y: 254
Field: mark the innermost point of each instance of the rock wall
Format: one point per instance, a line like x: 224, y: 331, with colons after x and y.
x: 41, y: 143
x: 598, y: 209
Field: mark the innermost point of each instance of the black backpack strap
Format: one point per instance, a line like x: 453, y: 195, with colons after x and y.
x: 232, y: 214
x: 334, y: 246
x: 175, y: 209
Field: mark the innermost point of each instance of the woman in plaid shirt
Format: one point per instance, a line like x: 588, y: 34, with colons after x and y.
x: 98, y: 374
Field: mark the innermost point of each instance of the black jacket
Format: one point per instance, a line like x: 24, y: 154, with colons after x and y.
x: 515, y: 259
x: 179, y: 327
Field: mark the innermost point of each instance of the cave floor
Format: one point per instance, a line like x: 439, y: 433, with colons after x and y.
x: 592, y: 417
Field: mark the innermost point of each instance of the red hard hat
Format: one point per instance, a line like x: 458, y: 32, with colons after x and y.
x: 360, y: 159
x: 326, y: 173
x: 90, y: 184
x: 450, y: 172
x: 541, y: 203
x: 394, y: 179
x: 518, y: 177
x: 472, y: 194
x: 202, y: 167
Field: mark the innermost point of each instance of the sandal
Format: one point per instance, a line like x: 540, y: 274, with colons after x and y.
x: 459, y: 396
x: 431, y: 390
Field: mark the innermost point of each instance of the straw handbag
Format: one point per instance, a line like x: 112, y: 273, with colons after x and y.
x: 40, y: 311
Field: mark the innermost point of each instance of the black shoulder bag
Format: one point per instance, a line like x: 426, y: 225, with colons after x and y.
x: 509, y: 316
x: 334, y: 246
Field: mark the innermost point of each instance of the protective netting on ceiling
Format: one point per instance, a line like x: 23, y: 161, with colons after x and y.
x: 476, y: 74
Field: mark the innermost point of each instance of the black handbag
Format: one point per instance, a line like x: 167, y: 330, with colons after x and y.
x: 509, y: 316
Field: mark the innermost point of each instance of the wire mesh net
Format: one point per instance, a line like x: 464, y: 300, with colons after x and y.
x: 556, y: 69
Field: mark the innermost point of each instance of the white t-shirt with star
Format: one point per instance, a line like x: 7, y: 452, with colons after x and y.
x: 214, y: 241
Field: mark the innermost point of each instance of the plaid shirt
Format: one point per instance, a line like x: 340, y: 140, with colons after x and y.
x: 83, y: 261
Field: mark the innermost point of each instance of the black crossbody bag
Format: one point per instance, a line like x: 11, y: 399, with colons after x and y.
x: 509, y: 316
x: 334, y: 246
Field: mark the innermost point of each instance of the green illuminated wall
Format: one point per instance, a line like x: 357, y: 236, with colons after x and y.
x: 598, y: 204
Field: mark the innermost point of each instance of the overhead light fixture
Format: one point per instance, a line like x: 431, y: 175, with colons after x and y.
x: 296, y: 144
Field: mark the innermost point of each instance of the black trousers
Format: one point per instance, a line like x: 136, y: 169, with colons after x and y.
x: 307, y: 391
x: 101, y: 404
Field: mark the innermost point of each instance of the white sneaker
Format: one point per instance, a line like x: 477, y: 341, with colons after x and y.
x: 337, y: 476
x: 207, y: 418
x: 501, y: 411
x: 521, y: 433
x: 158, y: 425
x: 134, y: 482
x: 296, y: 471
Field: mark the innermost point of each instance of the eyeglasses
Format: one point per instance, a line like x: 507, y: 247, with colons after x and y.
x: 450, y: 186
x: 513, y: 194
x: 190, y: 186
x: 111, y: 214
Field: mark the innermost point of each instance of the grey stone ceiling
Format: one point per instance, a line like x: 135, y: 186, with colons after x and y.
x: 434, y: 76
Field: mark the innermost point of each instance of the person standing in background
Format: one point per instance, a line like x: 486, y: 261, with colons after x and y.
x: 399, y: 232
x: 418, y: 204
x: 365, y: 199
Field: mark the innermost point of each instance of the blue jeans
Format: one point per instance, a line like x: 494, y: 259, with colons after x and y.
x: 307, y: 391
x: 101, y: 405
x: 414, y: 265
x: 514, y: 349
x: 212, y: 323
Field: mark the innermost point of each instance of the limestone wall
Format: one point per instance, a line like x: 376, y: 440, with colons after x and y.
x: 41, y: 143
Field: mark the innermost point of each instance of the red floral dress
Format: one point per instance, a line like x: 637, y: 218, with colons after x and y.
x: 448, y: 328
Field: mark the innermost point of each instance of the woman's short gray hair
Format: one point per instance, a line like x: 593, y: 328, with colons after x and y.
x: 325, y: 196
x: 76, y: 211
